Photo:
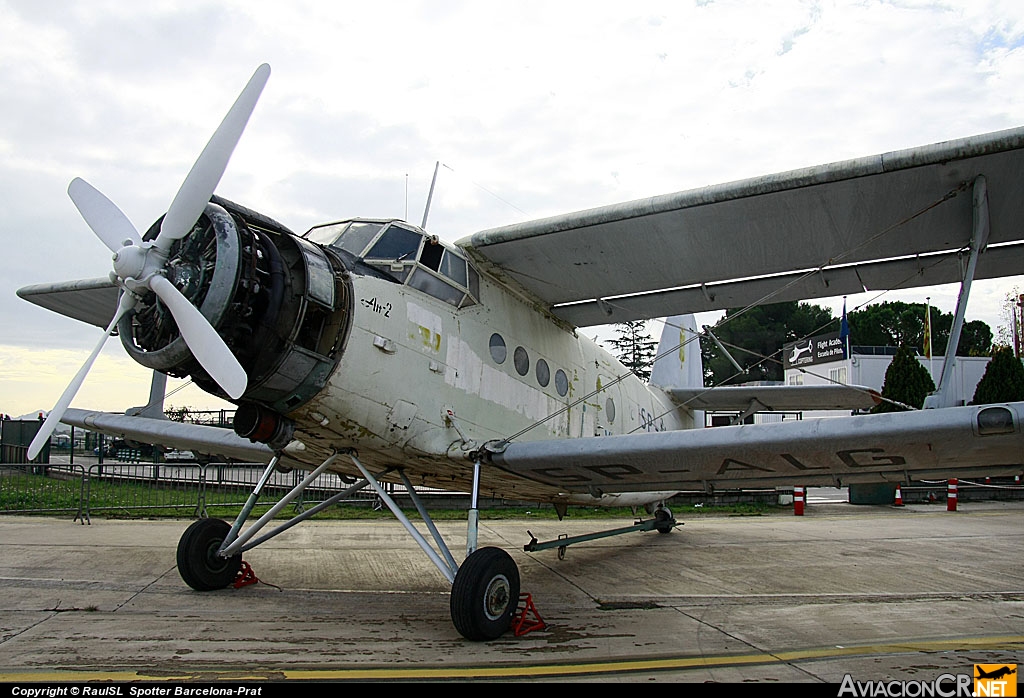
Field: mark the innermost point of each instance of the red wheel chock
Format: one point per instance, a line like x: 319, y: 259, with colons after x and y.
x: 526, y: 617
x: 245, y: 576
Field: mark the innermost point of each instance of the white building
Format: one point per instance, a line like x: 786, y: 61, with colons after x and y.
x: 867, y: 366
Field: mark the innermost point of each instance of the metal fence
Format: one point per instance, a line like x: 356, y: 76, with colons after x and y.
x: 186, y: 489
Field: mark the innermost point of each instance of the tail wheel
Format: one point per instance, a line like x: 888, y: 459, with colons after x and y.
x: 664, y: 522
x: 485, y: 594
x: 198, y: 562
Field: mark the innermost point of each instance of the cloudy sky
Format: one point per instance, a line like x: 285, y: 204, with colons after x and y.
x: 535, y: 108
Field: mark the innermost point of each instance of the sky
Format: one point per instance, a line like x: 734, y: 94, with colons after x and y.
x: 534, y: 109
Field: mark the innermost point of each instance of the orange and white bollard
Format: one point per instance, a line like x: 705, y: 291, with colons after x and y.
x: 899, y: 497
x: 951, y: 495
x: 798, y: 501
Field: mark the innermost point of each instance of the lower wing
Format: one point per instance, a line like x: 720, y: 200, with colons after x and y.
x: 893, y: 447
x: 163, y: 432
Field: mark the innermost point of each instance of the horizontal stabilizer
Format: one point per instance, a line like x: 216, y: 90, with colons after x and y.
x: 777, y: 398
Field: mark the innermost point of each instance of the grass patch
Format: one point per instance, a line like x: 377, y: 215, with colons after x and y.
x: 27, y: 492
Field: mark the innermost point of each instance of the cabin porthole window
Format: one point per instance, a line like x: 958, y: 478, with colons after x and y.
x: 543, y: 373
x: 499, y: 352
x: 521, y: 359
x: 561, y: 382
x: 609, y: 408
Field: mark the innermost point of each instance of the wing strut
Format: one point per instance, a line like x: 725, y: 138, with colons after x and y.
x: 943, y: 396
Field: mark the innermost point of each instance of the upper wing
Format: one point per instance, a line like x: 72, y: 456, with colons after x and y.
x: 888, y: 221
x: 90, y: 300
x: 163, y: 432
x: 895, y: 447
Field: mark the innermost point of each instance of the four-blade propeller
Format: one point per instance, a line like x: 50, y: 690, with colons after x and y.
x: 139, y: 265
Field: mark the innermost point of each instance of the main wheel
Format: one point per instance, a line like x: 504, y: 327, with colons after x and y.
x: 485, y: 594
x: 198, y: 562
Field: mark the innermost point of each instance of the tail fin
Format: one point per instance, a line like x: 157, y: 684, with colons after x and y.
x: 678, y: 363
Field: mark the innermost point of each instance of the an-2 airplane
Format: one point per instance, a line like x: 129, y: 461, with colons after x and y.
x: 372, y: 349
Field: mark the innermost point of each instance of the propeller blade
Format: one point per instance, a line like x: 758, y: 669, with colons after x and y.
x: 126, y: 303
x: 201, y: 182
x: 202, y: 339
x: 111, y: 226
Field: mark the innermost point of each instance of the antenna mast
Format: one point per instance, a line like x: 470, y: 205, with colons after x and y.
x: 430, y: 195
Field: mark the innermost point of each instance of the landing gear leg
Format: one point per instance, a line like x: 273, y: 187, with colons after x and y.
x: 485, y: 588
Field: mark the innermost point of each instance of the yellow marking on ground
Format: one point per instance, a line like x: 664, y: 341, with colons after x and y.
x: 525, y: 670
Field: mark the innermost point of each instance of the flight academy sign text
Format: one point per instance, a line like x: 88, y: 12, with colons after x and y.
x: 814, y: 350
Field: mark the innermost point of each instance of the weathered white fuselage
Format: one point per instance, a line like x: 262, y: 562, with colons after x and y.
x: 421, y: 384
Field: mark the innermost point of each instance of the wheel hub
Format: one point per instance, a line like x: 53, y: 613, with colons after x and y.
x: 497, y: 597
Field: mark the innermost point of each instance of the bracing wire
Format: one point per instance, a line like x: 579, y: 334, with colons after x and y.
x: 964, y: 186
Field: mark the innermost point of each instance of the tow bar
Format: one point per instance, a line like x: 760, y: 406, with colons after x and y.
x: 563, y: 541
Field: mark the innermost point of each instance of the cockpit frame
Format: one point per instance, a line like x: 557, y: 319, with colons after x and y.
x: 406, y: 254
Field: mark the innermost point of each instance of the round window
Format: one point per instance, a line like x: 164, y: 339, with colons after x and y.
x: 522, y: 361
x: 561, y: 382
x: 609, y: 407
x: 498, y: 350
x: 543, y: 373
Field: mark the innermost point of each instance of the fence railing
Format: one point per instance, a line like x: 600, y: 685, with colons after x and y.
x: 220, y: 489
x: 188, y: 489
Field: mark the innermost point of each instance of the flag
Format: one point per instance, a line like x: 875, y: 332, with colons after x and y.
x: 928, y: 330
x: 844, y: 332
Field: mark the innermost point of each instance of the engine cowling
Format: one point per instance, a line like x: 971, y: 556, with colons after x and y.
x: 282, y: 304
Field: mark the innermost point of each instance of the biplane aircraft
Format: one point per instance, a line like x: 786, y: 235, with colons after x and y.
x: 372, y: 349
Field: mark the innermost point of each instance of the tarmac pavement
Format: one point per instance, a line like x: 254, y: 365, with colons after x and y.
x: 879, y: 593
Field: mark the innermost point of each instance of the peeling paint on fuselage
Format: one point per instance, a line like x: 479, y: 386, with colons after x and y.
x: 432, y: 357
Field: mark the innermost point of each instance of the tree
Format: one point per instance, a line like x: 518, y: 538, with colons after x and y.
x: 178, y: 414
x: 1003, y: 380
x: 906, y: 382
x: 1010, y: 314
x: 635, y: 348
x: 975, y: 339
x: 758, y: 333
x: 895, y: 323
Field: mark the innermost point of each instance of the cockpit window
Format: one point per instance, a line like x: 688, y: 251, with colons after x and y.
x: 454, y: 267
x: 358, y: 236
x: 326, y: 234
x: 431, y: 255
x: 407, y: 255
x: 438, y: 288
x: 351, y: 236
x: 395, y: 245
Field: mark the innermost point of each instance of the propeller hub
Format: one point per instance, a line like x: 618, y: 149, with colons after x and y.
x: 130, y: 262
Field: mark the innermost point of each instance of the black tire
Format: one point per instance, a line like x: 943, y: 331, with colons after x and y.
x: 485, y: 594
x: 664, y: 523
x: 198, y: 562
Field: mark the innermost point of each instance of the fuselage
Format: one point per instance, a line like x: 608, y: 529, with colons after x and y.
x: 375, y: 337
x: 431, y: 374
